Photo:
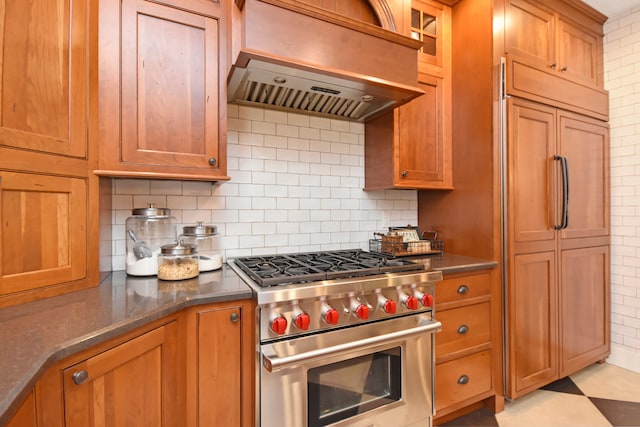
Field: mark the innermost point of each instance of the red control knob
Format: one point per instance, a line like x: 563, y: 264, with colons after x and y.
x: 411, y: 302
x: 279, y: 325
x: 389, y: 306
x: 302, y: 321
x: 331, y: 316
x: 362, y: 312
x: 427, y: 300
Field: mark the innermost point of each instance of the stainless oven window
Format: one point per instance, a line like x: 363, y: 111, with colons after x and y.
x: 341, y: 390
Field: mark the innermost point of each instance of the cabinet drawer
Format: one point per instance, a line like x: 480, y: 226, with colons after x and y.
x: 462, y: 328
x: 462, y: 379
x: 462, y: 288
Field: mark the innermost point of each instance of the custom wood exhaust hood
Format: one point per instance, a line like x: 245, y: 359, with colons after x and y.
x: 295, y: 56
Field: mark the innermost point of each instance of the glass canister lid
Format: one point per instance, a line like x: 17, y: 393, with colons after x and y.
x: 199, y: 230
x: 152, y: 210
x: 179, y: 248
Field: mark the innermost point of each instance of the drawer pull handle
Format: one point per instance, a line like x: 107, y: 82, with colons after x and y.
x: 463, y: 380
x: 463, y: 329
x: 80, y: 377
x: 463, y: 289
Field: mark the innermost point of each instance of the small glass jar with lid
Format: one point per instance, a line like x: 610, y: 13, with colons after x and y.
x: 203, y: 236
x: 147, y: 229
x: 178, y: 261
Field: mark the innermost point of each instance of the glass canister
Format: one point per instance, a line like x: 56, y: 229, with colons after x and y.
x: 146, y: 231
x: 178, y: 261
x: 203, y: 236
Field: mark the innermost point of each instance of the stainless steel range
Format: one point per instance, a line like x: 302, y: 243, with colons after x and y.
x: 345, y: 338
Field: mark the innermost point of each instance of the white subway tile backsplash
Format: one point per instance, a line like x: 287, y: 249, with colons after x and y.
x: 251, y: 113
x: 319, y: 122
x: 296, y: 185
x: 622, y: 79
x: 274, y: 116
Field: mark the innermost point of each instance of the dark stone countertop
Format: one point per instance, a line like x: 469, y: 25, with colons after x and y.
x: 452, y: 263
x: 35, y: 335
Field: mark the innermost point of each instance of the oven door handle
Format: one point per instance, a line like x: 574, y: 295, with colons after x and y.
x: 272, y: 362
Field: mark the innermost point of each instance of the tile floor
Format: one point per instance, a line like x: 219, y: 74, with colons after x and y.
x: 598, y: 396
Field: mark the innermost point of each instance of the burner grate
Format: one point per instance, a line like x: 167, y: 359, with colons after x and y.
x: 304, y: 267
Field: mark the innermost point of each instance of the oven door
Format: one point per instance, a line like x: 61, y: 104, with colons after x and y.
x: 378, y: 374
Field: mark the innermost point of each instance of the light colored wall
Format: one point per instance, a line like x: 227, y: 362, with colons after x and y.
x: 296, y: 185
x: 622, y: 79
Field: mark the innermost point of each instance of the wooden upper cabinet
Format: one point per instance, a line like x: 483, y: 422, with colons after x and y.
x: 424, y: 147
x: 44, y: 231
x: 530, y: 32
x: 172, y: 91
x: 44, y: 75
x: 565, y: 42
x: 410, y: 147
x: 578, y: 52
x: 430, y: 23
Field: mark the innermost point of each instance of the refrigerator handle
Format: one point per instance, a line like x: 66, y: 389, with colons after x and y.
x: 564, y: 168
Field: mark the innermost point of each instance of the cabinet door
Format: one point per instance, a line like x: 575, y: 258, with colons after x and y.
x: 578, y: 50
x: 532, y: 323
x: 531, y: 182
x: 423, y: 140
x: 26, y: 414
x: 584, y: 307
x: 128, y: 385
x: 170, y: 90
x: 431, y: 24
x: 43, y: 236
x: 219, y: 367
x: 530, y: 33
x: 585, y: 144
x: 43, y: 75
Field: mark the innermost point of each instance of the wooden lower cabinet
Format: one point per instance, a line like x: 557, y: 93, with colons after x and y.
x: 26, y: 414
x: 463, y: 379
x: 135, y: 383
x: 221, y: 365
x: 192, y: 368
x: 468, y: 348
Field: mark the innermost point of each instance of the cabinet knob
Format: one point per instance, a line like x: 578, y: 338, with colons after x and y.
x: 80, y: 377
x: 463, y: 380
x: 463, y: 289
x: 212, y: 161
x: 463, y: 329
x: 553, y: 66
x: 404, y: 174
x: 564, y: 69
x: 234, y: 317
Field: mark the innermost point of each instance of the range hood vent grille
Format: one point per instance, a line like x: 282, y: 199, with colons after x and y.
x: 276, y: 86
x: 318, y: 100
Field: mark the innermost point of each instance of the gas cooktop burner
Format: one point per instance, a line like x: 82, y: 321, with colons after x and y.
x: 271, y: 270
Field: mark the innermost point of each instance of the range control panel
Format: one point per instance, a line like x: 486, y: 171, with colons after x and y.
x: 297, y: 317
